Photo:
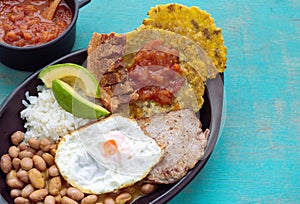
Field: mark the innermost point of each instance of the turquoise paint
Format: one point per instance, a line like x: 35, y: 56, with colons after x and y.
x: 257, y: 158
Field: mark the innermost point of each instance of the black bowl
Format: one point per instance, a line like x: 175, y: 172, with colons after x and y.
x: 35, y: 57
x: 210, y: 116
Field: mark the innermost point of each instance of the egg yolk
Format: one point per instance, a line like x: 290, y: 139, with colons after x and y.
x: 110, y: 147
x: 114, y: 150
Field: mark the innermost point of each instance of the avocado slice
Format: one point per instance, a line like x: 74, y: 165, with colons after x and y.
x: 74, y: 103
x: 72, y: 74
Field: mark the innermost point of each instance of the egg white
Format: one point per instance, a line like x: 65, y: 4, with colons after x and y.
x: 84, y: 163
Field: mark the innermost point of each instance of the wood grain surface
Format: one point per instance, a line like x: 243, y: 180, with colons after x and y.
x: 257, y: 159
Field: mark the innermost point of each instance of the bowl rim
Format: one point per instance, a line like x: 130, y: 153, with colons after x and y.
x: 47, y: 44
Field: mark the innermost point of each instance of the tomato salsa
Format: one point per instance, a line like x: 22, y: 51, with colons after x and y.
x: 22, y: 24
x: 156, y: 73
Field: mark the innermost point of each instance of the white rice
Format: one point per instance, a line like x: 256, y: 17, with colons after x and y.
x: 45, y: 118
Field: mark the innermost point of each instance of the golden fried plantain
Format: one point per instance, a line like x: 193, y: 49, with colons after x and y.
x: 193, y: 23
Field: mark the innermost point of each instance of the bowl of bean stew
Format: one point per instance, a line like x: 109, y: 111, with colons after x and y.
x: 30, y: 38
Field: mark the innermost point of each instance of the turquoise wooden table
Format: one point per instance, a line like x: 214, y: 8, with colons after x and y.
x: 257, y: 159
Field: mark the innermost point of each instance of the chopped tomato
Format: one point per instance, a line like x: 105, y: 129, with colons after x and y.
x: 21, y: 22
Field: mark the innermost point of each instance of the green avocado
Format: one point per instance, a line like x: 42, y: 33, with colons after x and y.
x: 74, y: 103
x: 73, y: 74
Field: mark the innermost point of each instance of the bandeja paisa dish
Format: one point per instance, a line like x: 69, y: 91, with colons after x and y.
x: 147, y: 146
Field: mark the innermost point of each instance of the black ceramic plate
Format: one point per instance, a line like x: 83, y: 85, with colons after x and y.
x: 210, y: 116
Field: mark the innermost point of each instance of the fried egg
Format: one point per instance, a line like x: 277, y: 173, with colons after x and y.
x: 107, y: 155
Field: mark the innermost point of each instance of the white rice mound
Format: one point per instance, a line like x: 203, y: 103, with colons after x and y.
x: 45, y: 118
